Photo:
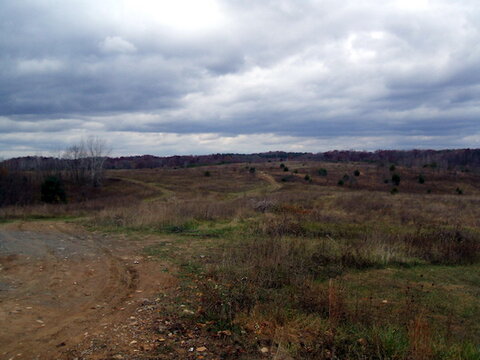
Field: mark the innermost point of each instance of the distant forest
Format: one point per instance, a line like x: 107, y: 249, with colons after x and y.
x: 464, y: 159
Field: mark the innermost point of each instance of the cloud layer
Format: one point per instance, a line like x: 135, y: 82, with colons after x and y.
x: 204, y: 76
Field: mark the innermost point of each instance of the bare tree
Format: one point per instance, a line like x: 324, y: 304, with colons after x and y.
x: 85, y: 161
x: 76, y: 163
x: 97, y: 153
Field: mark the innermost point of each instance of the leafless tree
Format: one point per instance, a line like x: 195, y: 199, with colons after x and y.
x: 76, y: 163
x: 85, y: 161
x: 97, y: 153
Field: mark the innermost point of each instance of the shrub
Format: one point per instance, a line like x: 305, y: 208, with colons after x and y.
x: 459, y: 191
x: 52, y: 190
x: 285, y: 168
x: 392, y: 167
x: 308, y: 178
x: 322, y: 172
x: 282, y: 165
x: 340, y: 182
x: 356, y: 173
x: 252, y: 170
x: 394, y: 191
x: 396, y: 179
x: 207, y: 173
x: 421, y: 179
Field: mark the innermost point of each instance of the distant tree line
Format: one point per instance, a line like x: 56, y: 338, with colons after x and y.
x: 462, y: 159
x: 30, y: 179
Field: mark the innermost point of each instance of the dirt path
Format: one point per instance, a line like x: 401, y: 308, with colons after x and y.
x: 63, y: 290
x: 274, y: 185
x: 162, y: 193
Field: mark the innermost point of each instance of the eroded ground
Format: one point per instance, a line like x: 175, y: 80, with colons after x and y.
x: 66, y: 293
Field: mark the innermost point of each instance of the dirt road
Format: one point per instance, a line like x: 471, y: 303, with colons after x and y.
x: 63, y: 290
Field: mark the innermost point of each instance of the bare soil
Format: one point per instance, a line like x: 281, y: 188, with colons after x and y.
x: 66, y: 293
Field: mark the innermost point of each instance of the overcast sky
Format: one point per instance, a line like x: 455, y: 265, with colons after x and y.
x: 203, y: 76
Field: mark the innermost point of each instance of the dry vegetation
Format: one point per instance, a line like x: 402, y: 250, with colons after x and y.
x: 305, y: 267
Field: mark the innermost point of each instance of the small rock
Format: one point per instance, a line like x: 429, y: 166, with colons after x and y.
x: 201, y: 349
x: 264, y: 350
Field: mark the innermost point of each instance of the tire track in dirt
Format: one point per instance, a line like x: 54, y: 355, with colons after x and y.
x: 58, y: 285
x: 269, y: 179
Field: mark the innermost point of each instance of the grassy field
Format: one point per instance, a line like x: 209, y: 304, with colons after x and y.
x: 309, y: 260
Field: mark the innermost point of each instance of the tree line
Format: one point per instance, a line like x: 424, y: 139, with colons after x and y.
x: 27, y: 180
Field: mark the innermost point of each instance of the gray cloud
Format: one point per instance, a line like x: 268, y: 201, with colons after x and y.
x: 313, y: 72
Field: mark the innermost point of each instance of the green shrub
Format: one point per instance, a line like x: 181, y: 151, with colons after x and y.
x: 421, y: 179
x: 322, y: 172
x: 396, y: 179
x: 52, y: 191
x: 356, y: 172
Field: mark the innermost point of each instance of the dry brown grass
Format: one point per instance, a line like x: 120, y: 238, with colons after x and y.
x: 278, y: 272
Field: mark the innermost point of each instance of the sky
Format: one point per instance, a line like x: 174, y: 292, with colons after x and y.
x: 207, y: 76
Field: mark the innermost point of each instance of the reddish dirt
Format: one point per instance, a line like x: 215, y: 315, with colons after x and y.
x: 69, y: 294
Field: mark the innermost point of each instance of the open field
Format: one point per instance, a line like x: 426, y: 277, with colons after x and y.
x: 273, y: 260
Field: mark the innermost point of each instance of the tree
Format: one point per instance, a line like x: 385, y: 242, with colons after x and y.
x: 85, y: 161
x: 96, y: 155
x: 76, y: 163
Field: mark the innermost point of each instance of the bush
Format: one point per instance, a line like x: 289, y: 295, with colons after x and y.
x: 252, y: 170
x: 392, y: 167
x: 356, y: 173
x: 52, y: 191
x: 285, y: 168
x: 308, y: 178
x: 421, y: 179
x: 340, y: 182
x: 207, y: 173
x: 396, y: 179
x: 459, y: 191
x: 322, y: 172
x: 394, y: 191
